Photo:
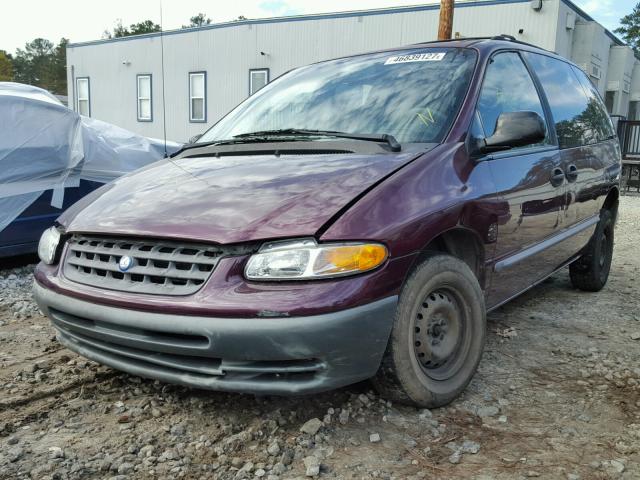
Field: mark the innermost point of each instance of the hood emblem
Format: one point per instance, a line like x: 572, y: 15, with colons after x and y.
x: 125, y: 263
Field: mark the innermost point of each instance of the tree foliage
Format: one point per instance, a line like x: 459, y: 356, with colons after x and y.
x: 43, y: 64
x: 6, y: 67
x: 198, y: 21
x: 146, y: 26
x: 630, y: 28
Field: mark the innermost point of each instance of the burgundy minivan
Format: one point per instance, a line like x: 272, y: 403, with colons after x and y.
x: 354, y: 219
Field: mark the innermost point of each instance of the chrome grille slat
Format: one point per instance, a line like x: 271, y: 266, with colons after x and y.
x: 159, y: 267
x: 161, y: 272
x: 144, y: 255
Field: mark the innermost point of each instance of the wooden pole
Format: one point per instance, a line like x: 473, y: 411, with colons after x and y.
x: 446, y: 20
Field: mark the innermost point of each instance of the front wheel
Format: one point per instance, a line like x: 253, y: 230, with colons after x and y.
x: 591, y: 271
x: 438, y: 335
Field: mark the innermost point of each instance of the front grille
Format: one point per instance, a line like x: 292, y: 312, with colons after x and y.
x: 157, y: 266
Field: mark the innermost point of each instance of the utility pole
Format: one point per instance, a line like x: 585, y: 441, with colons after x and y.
x: 446, y: 20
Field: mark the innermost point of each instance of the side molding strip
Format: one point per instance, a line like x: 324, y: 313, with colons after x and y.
x: 549, y: 242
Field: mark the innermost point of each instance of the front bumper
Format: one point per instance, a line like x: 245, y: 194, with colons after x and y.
x: 284, y: 355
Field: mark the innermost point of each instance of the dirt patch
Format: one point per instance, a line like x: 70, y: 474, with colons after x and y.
x: 557, y: 395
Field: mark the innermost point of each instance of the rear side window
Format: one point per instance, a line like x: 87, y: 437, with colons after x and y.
x: 597, y: 116
x: 507, y: 87
x: 577, y: 117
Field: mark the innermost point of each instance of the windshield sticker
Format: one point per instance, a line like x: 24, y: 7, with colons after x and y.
x: 416, y: 57
x: 426, y: 119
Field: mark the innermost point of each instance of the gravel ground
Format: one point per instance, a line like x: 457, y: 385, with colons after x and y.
x: 557, y: 395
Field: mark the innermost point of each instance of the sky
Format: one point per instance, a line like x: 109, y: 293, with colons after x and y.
x: 82, y: 20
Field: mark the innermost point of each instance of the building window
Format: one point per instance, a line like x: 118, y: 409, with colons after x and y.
x: 83, y: 103
x: 145, y: 108
x: 258, y: 78
x: 198, y: 97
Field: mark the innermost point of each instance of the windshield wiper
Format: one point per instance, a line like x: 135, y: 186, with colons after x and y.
x: 264, y: 135
x: 257, y: 137
x: 285, y: 132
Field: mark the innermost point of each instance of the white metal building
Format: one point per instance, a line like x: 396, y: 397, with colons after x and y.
x: 209, y: 70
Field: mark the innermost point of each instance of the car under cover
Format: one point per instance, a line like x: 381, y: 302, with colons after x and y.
x: 232, y: 199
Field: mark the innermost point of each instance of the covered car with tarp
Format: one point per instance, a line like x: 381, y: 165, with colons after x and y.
x: 50, y: 157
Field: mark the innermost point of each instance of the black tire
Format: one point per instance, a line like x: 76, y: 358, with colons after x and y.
x: 430, y: 368
x: 591, y: 271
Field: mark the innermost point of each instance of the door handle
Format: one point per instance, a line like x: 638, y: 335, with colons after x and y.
x: 557, y: 177
x: 572, y: 173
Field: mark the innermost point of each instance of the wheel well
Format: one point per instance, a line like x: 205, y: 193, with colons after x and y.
x: 463, y: 244
x: 611, y: 202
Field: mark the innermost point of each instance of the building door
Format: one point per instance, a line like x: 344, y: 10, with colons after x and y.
x: 528, y: 181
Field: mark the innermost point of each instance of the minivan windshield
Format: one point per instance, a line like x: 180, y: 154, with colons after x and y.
x: 413, y: 95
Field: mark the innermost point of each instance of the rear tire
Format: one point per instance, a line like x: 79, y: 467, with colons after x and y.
x: 591, y: 271
x: 438, y: 335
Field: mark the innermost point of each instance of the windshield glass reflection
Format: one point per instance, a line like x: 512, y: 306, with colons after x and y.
x: 413, y: 95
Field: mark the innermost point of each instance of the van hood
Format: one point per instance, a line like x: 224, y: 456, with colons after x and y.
x: 231, y: 199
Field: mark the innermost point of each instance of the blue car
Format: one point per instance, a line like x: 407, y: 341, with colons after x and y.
x: 21, y: 236
x: 51, y: 157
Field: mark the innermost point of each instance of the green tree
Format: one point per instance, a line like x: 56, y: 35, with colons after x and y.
x: 198, y: 21
x: 144, y: 27
x: 147, y: 26
x: 120, y: 31
x: 33, y: 64
x: 58, y: 68
x: 630, y: 28
x: 6, y: 67
x: 43, y: 64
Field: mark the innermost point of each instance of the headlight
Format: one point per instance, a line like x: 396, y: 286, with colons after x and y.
x: 48, y: 246
x: 305, y: 259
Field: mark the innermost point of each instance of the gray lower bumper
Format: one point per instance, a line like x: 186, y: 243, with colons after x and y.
x: 289, y: 355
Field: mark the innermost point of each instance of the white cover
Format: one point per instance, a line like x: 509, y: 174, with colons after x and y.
x: 44, y: 145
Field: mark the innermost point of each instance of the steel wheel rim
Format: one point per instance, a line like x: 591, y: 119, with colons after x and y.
x: 440, y: 334
x: 604, y: 254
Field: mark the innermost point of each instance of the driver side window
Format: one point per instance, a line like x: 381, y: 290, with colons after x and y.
x: 507, y: 87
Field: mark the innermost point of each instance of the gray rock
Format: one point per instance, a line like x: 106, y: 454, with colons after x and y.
x: 425, y: 414
x: 374, y: 437
x: 617, y: 465
x: 343, y: 418
x: 178, y: 430
x: 56, y: 452
x: 15, y: 454
x: 312, y: 466
x: 470, y: 447
x: 488, y: 411
x: 125, y: 468
x: 455, y: 457
x: 312, y: 426
x: 273, y: 449
x: 287, y: 456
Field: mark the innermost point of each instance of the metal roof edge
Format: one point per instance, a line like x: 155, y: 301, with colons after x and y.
x: 297, y: 18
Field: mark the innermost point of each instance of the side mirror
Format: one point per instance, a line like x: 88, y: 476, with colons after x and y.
x: 516, y: 129
x: 195, y: 138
